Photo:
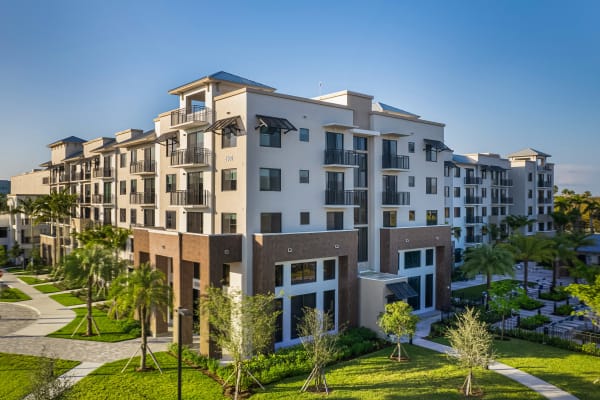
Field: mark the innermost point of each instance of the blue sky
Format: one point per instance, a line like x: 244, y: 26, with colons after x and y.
x: 503, y: 75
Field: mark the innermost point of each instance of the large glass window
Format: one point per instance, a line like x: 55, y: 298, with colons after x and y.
x: 389, y: 219
x: 171, y: 183
x: 270, y: 179
x: 304, y: 272
x: 429, y: 257
x: 170, y: 217
x: 430, y: 153
x: 298, y: 304
x: 279, y: 321
x: 304, y: 218
x: 278, y: 275
x: 229, y: 223
x: 415, y: 283
x: 270, y: 137
x: 270, y: 222
x: 328, y: 270
x: 360, y: 143
x: 363, y: 244
x: 429, y: 290
x: 133, y: 216
x: 412, y: 259
x: 334, y: 141
x: 229, y: 179
x: 228, y: 138
x: 304, y: 176
x: 432, y: 217
x: 123, y: 187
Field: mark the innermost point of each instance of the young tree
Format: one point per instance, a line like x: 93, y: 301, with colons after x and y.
x: 590, y: 295
x: 35, y: 261
x: 488, y: 260
x: 93, y: 266
x: 399, y: 321
x: 528, y: 248
x: 314, y: 330
x: 45, y: 384
x: 504, y: 298
x: 138, y: 293
x: 242, y: 325
x: 472, y: 345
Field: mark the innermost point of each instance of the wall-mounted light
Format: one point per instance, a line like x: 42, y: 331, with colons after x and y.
x: 336, y: 246
x: 289, y: 249
x: 226, y: 252
x: 437, y: 238
x: 406, y: 240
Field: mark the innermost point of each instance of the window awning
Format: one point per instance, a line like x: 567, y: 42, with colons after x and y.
x: 449, y: 164
x: 496, y: 168
x: 232, y: 123
x: 275, y: 123
x: 437, y: 145
x: 402, y: 290
x: 166, y: 136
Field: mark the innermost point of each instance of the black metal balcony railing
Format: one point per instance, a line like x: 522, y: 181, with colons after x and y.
x: 472, y: 200
x: 64, y: 177
x: 194, y: 113
x: 473, y: 180
x: 194, y: 155
x: 471, y: 219
x: 506, y: 200
x: 545, y: 184
x: 87, y: 199
x: 544, y: 200
x: 395, y: 198
x: 506, y: 182
x: 547, y: 168
x: 189, y: 198
x: 393, y: 161
x: 143, y: 166
x: 473, y: 239
x: 344, y: 197
x: 340, y: 157
x: 142, y: 198
x: 102, y: 173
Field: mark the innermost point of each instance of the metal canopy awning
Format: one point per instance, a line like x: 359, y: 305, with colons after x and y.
x: 496, y: 168
x: 231, y: 123
x: 436, y: 144
x: 275, y: 123
x: 402, y: 290
x: 166, y: 136
x: 449, y: 164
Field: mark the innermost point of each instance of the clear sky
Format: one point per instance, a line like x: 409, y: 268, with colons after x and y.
x: 503, y: 75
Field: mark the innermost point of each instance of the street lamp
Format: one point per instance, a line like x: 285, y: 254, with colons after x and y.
x: 182, y: 312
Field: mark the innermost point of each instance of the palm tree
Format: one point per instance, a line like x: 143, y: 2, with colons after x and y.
x: 528, y: 248
x: 139, y: 292
x: 109, y: 236
x: 516, y: 222
x: 592, y: 209
x: 488, y: 260
x: 561, y: 251
x: 94, y: 266
x: 30, y: 208
x: 53, y: 208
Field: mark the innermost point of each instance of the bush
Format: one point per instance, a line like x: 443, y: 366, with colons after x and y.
x: 9, y: 293
x: 564, y: 310
x: 533, y: 322
x: 557, y: 295
x: 537, y: 337
x: 527, y: 303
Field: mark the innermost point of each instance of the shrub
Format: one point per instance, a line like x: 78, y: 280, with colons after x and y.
x: 557, y: 295
x: 527, y: 303
x: 565, y: 309
x: 533, y: 322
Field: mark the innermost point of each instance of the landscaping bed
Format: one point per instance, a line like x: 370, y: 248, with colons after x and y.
x: 533, y: 322
x: 47, y: 288
x: 11, y: 295
x: 527, y: 303
x: 557, y: 295
x: 31, y: 280
x: 67, y: 299
x: 564, y: 310
x: 111, y: 330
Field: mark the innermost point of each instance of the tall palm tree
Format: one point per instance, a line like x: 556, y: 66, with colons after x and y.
x: 141, y: 291
x: 592, y: 209
x: 528, y: 248
x: 109, y: 236
x: 59, y: 206
x: 561, y: 251
x: 488, y: 260
x: 516, y: 222
x: 94, y: 266
x: 30, y: 207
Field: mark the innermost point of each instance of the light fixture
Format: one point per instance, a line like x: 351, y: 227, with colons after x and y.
x: 289, y: 249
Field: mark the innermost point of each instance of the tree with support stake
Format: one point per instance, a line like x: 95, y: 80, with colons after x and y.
x: 399, y: 321
x: 242, y: 325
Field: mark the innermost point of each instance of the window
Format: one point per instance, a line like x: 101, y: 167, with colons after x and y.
x: 270, y: 179
x: 411, y: 181
x: 456, y: 192
x: 133, y: 186
x: 429, y: 257
x: 194, y: 221
x: 530, y: 194
x: 335, y: 220
x: 540, y: 226
x: 149, y: 217
x: 329, y: 304
x: 334, y: 141
x: 304, y: 176
x: 411, y: 215
x: 483, y: 192
x: 3, y: 232
x: 389, y: 219
x: 530, y: 228
x: 415, y: 283
x: 133, y: 216
x: 360, y: 173
x: 549, y: 210
x: 228, y: 138
x: 540, y: 210
x: 456, y: 212
x: 549, y: 224
x: 484, y: 211
x: 270, y: 222
x: 529, y: 177
x: 483, y: 174
x: 298, y: 303
x: 133, y: 156
x: 430, y: 153
x: 446, y: 191
x: 429, y: 290
x: 412, y: 259
x: 170, y: 220
x: 229, y: 179
x: 228, y: 223
x: 305, y: 272
x: 171, y: 145
x: 494, y: 211
x: 411, y: 147
x: 363, y: 244
x: 107, y: 216
x: 123, y: 187
x: 431, y: 185
x: 123, y: 160
x: 171, y: 186
x: 432, y: 217
x: 329, y: 270
x: 225, y: 274
x: 447, y: 170
x: 360, y: 143
x: 270, y: 137
x: 304, y: 135
x: 278, y: 275
x: 122, y: 215
x: 279, y: 321
x: 304, y: 218
x: 457, y: 172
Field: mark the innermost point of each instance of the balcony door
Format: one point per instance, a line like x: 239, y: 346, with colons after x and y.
x: 195, y: 140
x: 390, y: 183
x: 335, y: 181
x: 335, y: 141
x: 194, y: 182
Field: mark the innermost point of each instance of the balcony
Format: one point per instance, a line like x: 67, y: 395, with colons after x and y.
x: 64, y: 177
x: 544, y: 200
x: 472, y: 200
x: 142, y: 198
x: 342, y: 158
x: 395, y: 162
x: 548, y: 167
x: 344, y: 197
x: 506, y: 182
x: 473, y: 180
x: 143, y: 167
x: 87, y: 199
x: 190, y: 198
x: 102, y: 199
x: 473, y: 239
x: 544, y: 184
x: 395, y: 198
x: 471, y: 219
x: 190, y: 117
x: 103, y: 173
x: 195, y: 156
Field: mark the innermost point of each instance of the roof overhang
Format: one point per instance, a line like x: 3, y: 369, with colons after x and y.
x: 402, y: 290
x: 365, y: 132
x: 339, y: 125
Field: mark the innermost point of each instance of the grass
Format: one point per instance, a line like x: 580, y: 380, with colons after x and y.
x: 476, y: 292
x: 110, y: 330
x: 31, y: 280
x: 16, y: 370
x: 428, y: 376
x: 47, y: 288
x: 12, y: 295
x: 67, y: 299
x: 108, y: 383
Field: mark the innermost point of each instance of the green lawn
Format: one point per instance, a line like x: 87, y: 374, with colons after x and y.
x: 47, y: 288
x: 475, y: 292
x: 108, y: 383
x: 428, y: 376
x: 67, y: 299
x: 110, y: 330
x: 15, y: 374
x: 31, y: 280
x: 12, y: 295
